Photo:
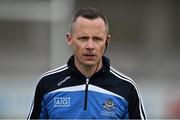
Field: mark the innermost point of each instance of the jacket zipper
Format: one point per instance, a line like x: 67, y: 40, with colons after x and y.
x: 86, y: 94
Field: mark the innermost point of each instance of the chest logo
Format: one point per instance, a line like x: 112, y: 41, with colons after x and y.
x: 65, y: 79
x: 109, y: 105
x: 62, y: 101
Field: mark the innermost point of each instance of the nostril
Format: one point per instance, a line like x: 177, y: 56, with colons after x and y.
x: 89, y: 48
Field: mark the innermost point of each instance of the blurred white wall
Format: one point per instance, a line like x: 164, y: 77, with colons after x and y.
x: 61, y: 16
x: 32, y: 41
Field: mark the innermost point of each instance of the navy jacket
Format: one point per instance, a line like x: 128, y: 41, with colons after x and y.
x: 65, y: 93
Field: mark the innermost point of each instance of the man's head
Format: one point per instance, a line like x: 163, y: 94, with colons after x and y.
x: 89, y: 36
x: 89, y: 13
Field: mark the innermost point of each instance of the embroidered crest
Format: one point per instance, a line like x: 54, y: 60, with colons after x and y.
x: 109, y: 105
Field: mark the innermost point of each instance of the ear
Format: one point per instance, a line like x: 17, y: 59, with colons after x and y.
x: 69, y: 38
x: 108, y: 39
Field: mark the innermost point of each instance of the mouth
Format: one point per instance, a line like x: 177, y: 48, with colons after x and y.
x: 89, y: 56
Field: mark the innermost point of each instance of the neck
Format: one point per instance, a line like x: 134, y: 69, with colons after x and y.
x: 88, y: 70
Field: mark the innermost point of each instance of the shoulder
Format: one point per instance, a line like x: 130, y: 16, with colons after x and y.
x: 54, y: 73
x: 48, y: 80
x: 124, y: 78
x: 120, y: 75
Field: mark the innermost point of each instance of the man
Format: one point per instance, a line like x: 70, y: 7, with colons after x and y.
x: 87, y: 87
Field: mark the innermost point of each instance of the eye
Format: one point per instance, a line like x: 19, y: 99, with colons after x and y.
x: 97, y: 39
x: 83, y: 38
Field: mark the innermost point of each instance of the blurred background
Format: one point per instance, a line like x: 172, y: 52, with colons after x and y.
x: 145, y: 46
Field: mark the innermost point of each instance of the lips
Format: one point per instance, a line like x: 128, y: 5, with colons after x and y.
x: 89, y: 56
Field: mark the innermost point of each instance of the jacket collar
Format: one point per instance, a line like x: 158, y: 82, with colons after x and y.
x: 74, y: 70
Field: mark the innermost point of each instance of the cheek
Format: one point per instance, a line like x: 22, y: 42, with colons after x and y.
x: 77, y: 48
x: 103, y: 48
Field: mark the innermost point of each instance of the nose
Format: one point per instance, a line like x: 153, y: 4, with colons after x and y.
x: 90, y: 45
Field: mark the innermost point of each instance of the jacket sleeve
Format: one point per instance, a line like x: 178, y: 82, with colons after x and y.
x: 36, y: 108
x: 136, y: 109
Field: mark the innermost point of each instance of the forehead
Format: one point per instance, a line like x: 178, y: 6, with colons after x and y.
x: 97, y: 20
x: 89, y: 24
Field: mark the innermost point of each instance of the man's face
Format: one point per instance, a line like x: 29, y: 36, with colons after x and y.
x: 88, y: 39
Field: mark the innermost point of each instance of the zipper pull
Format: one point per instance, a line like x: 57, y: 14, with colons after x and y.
x: 87, y: 81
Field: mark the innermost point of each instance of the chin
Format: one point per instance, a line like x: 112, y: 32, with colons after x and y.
x: 89, y: 64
